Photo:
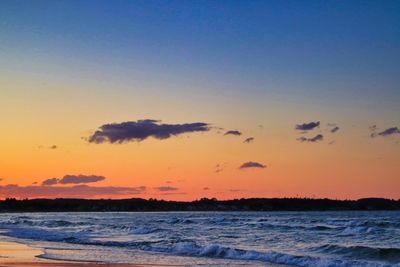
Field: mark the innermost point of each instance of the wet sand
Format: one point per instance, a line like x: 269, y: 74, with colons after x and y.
x: 19, y: 255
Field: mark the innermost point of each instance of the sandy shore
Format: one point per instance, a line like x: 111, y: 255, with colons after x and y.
x: 19, y: 255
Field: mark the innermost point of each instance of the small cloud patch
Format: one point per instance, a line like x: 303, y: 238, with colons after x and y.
x: 233, y: 132
x: 335, y: 129
x: 248, y: 140
x: 166, y: 188
x: 51, y: 181
x: 252, y: 164
x: 307, y: 126
x: 387, y: 132
x: 317, y: 138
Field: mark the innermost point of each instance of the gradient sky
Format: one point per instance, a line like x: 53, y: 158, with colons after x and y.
x: 258, y: 67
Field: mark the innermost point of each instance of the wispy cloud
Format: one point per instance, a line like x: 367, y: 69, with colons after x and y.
x: 248, y: 140
x: 387, y: 132
x: 219, y: 167
x: 233, y: 132
x: 252, y: 164
x: 141, y: 130
x: 335, y: 129
x: 317, y: 138
x: 51, y: 181
x: 77, y: 191
x: 49, y: 147
x: 166, y: 188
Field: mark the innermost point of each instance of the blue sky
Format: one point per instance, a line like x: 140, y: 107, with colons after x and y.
x: 68, y: 67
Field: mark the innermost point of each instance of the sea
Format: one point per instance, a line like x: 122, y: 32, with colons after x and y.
x: 342, y: 238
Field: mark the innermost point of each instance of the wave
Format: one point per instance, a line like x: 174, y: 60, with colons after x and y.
x: 222, y: 236
x: 371, y: 253
x: 144, y: 230
x: 217, y: 251
x: 23, y: 220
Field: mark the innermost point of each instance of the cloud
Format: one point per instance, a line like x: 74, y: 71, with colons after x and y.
x: 252, y: 164
x: 81, y: 179
x: 388, y: 132
x: 335, y: 129
x: 248, y: 140
x: 219, y: 167
x: 233, y: 132
x: 141, y: 130
x: 307, y: 126
x: 206, y: 188
x: 49, y: 147
x: 318, y: 137
x: 74, y: 179
x: 51, y: 181
x: 166, y: 188
x: 236, y: 190
x: 77, y: 191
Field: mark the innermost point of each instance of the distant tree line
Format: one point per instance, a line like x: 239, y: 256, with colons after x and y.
x: 204, y: 204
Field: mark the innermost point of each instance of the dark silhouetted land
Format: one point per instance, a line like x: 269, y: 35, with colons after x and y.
x: 205, y: 204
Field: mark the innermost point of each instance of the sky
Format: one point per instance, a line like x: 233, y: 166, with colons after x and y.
x: 181, y: 100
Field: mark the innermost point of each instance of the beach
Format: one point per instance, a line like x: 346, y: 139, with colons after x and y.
x: 13, y: 254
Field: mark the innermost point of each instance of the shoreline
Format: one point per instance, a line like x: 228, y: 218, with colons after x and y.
x: 14, y: 254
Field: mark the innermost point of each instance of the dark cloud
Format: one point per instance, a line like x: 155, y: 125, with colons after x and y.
x: 387, y: 132
x: 307, y: 126
x: 51, y: 181
x: 81, y: 179
x: 233, y: 132
x: 206, y: 188
x: 74, y: 179
x: 77, y: 191
x: 53, y: 147
x: 166, y: 188
x: 318, y: 137
x: 142, y: 129
x: 248, y: 140
x: 335, y: 129
x: 252, y: 164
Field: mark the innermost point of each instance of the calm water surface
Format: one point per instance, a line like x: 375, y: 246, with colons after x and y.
x: 219, y: 239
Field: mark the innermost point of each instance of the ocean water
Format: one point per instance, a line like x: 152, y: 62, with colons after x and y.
x: 213, y: 238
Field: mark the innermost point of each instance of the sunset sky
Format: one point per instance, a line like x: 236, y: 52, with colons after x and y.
x: 188, y: 99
